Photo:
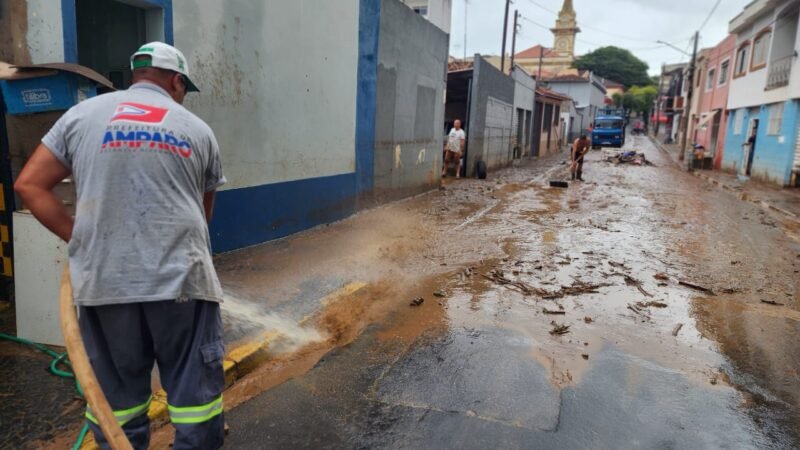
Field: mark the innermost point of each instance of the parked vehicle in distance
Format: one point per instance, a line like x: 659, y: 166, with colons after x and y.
x: 608, y: 131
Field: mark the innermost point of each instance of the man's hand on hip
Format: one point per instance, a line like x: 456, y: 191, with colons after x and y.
x: 35, y: 185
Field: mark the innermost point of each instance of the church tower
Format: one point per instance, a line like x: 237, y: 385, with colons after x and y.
x: 565, y: 31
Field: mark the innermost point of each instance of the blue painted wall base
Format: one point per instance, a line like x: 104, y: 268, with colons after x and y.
x: 774, y: 153
x: 250, y: 216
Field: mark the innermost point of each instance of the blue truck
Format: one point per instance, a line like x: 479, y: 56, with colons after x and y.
x: 608, y: 131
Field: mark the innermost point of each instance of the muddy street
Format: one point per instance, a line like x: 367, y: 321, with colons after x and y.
x: 641, y: 308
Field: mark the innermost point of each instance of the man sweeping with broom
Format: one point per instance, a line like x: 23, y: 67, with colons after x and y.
x: 146, y: 171
x: 579, y: 149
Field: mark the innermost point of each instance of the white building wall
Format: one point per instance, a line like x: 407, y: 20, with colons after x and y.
x: 440, y: 12
x: 283, y: 106
x: 45, y: 37
x: 748, y: 90
x: 525, y: 90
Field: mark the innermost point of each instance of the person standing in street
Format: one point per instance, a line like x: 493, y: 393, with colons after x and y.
x: 579, y: 149
x: 146, y: 171
x: 456, y: 140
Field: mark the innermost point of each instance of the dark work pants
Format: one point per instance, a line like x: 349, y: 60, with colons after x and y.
x: 185, y: 339
x: 578, y: 173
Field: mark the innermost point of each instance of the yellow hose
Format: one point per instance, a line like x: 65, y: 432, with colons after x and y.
x: 83, y: 370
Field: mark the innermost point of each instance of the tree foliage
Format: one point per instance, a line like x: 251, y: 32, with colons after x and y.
x: 616, y: 64
x: 641, y: 98
x: 616, y: 97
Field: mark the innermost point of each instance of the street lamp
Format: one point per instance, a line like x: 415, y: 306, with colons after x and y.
x: 673, y: 47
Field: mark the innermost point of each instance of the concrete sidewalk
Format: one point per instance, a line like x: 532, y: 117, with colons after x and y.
x: 784, y: 201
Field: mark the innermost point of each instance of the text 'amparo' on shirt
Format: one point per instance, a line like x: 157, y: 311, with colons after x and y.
x: 141, y: 164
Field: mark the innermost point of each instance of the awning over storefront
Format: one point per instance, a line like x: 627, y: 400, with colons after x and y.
x: 705, y: 119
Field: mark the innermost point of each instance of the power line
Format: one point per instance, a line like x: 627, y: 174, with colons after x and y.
x: 593, y: 44
x: 711, y: 13
x: 590, y: 27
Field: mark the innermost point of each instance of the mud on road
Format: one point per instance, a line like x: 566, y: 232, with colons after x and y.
x: 642, y: 308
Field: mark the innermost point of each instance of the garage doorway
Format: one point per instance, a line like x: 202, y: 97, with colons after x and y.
x: 109, y: 31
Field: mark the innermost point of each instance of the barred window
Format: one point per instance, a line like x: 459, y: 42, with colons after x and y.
x: 775, y: 119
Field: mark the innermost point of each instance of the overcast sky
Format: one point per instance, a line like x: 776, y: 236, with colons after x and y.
x: 632, y: 24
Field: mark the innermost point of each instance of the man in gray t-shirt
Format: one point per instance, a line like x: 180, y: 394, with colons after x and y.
x: 146, y: 171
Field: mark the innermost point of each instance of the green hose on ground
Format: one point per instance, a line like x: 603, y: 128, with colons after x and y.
x: 58, y: 359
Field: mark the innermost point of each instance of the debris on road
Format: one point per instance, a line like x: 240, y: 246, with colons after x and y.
x: 439, y: 294
x: 588, y: 319
x: 771, y: 302
x: 585, y: 356
x: 618, y: 265
x: 677, y: 329
x: 559, y: 329
x: 417, y: 301
x: 630, y: 281
x: 499, y: 277
x: 627, y: 157
x: 696, y: 287
x: 577, y: 288
x: 633, y: 307
x: 653, y: 304
x: 549, y: 311
x: 661, y: 276
x: 559, y: 184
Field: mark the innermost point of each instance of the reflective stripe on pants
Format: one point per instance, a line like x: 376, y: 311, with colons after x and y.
x: 123, y: 415
x: 195, y: 414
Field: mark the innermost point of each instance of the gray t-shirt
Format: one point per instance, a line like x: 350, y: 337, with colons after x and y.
x: 141, y: 163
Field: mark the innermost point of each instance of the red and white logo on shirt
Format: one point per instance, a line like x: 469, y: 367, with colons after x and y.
x: 137, y: 112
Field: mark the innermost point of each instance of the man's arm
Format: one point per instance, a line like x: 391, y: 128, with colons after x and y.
x: 35, y: 184
x: 208, y: 204
x: 463, y: 142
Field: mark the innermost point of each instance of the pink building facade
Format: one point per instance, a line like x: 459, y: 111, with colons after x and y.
x: 715, y: 80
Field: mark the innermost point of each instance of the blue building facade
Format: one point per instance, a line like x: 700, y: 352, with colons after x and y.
x: 774, y: 149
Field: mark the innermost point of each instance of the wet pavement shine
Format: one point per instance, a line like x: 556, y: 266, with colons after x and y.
x: 642, y: 308
x: 681, y: 304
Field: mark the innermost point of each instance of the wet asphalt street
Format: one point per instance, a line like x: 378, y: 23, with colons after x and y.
x: 642, y: 308
x: 642, y: 360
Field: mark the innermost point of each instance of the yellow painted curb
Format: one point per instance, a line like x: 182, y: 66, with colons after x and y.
x: 238, y: 362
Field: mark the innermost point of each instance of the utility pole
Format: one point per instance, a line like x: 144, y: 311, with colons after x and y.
x: 466, y: 3
x: 541, y: 55
x: 689, y: 92
x: 505, y: 33
x: 658, y: 101
x: 514, y: 40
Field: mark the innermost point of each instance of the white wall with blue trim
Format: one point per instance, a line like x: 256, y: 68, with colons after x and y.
x: 278, y: 84
x: 290, y: 89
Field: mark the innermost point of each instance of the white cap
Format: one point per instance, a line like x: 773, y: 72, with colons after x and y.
x: 163, y: 56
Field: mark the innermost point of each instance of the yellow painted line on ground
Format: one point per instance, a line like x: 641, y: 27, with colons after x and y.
x: 344, y: 291
x: 236, y: 357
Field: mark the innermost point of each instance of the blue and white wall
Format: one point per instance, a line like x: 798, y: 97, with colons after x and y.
x: 774, y: 153
x: 752, y: 94
x: 287, y: 87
